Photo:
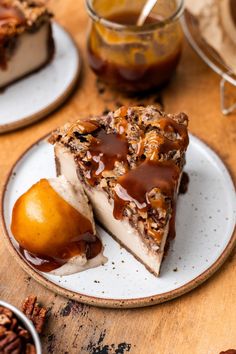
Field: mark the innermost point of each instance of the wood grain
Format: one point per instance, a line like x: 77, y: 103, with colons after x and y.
x: 201, y: 322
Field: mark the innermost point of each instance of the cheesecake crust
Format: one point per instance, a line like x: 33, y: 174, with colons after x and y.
x: 111, y: 149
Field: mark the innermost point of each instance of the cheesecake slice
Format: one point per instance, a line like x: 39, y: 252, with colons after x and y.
x: 130, y: 164
x: 26, y: 42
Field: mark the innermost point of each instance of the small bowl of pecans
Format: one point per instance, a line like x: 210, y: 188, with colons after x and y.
x: 18, y: 334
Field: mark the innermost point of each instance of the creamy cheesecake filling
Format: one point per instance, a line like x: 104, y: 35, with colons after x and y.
x: 122, y: 231
x: 31, y: 52
x: 79, y: 264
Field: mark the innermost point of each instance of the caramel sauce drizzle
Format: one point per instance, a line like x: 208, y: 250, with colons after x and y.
x: 105, y: 149
x: 171, y: 126
x: 137, y: 183
x: 47, y: 264
x: 11, y: 14
x: 134, y: 186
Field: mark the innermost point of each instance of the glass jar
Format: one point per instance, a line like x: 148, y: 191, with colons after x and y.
x: 129, y: 57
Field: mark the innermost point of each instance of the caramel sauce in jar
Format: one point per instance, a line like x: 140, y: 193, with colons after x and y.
x: 132, y: 58
x: 50, y: 231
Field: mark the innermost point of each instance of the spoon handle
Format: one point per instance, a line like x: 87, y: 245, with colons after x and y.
x: 146, y: 11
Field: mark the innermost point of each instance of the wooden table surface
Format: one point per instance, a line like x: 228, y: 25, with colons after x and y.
x: 201, y: 322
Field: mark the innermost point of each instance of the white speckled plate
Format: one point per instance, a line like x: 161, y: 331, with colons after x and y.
x: 205, y: 225
x: 36, y: 95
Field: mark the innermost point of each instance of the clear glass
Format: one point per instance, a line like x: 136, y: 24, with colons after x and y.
x: 211, y: 58
x: 129, y: 57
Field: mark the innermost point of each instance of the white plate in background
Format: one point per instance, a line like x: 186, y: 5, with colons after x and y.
x: 38, y: 94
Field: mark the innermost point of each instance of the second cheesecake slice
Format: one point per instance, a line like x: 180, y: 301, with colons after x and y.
x: 26, y: 41
x: 130, y: 164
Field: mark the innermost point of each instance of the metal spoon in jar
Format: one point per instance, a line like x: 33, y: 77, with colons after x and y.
x: 146, y: 11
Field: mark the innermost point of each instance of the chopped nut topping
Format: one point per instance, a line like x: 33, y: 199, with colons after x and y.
x: 10, y: 343
x: 34, y: 11
x: 35, y: 312
x: 4, y: 320
x: 14, y: 338
x: 150, y: 135
x: 30, y: 349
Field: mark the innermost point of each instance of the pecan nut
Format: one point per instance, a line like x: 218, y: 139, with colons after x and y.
x: 4, y: 320
x: 30, y: 349
x: 36, y: 313
x: 14, y: 338
x: 10, y: 342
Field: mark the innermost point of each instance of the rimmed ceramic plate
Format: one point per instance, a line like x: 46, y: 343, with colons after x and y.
x: 36, y: 95
x: 205, y: 225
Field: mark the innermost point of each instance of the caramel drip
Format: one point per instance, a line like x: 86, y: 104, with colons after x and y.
x: 171, y: 233
x: 105, y: 149
x: 230, y: 351
x: 93, y: 249
x: 183, y: 188
x: 49, y: 230
x: 168, y: 125
x: 47, y: 264
x: 137, y: 183
x: 8, y: 15
x: 11, y: 14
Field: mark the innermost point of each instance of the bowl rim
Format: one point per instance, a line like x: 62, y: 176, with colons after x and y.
x: 26, y: 322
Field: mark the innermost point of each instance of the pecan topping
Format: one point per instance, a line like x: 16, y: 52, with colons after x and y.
x: 30, y: 349
x: 10, y: 343
x: 4, y: 311
x: 23, y: 333
x: 35, y: 312
x: 14, y: 338
x: 4, y: 320
x: 2, y: 330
